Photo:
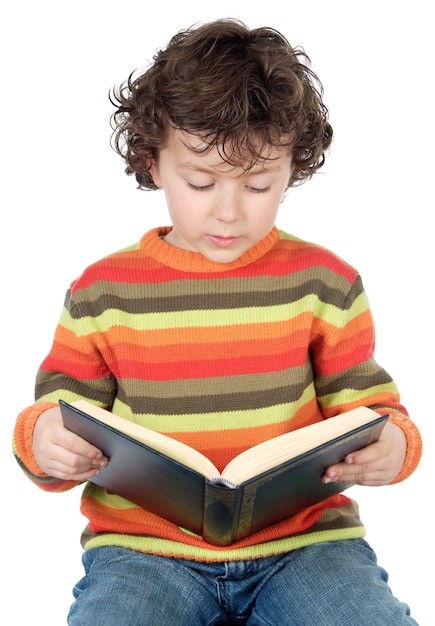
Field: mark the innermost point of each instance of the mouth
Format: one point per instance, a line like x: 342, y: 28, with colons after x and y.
x: 222, y: 242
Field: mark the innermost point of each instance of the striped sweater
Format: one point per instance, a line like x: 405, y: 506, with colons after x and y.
x: 221, y: 357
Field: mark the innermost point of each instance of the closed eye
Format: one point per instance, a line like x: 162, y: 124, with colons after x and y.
x: 200, y: 187
x: 259, y: 189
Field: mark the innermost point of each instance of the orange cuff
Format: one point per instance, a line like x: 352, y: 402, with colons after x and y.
x: 23, y: 435
x: 414, y: 444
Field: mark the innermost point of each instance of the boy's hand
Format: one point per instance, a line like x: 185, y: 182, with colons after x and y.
x: 377, y: 464
x: 62, y: 454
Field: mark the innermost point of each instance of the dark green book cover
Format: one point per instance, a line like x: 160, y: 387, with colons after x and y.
x: 220, y: 511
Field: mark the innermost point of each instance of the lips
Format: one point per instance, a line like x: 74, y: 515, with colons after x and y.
x: 223, y: 242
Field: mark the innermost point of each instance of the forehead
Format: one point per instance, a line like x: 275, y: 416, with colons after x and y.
x: 190, y: 150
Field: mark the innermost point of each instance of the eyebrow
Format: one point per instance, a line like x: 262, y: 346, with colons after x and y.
x: 268, y: 168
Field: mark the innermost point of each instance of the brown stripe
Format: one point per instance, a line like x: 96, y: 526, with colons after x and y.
x: 159, y: 298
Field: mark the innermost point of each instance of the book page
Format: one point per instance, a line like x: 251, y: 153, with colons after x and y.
x: 271, y: 453
x: 176, y: 450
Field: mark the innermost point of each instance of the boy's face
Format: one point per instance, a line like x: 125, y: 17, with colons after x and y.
x: 218, y: 209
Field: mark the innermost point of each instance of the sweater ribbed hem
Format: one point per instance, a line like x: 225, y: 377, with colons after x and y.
x: 161, y: 547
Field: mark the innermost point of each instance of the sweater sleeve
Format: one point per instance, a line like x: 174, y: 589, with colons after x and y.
x: 72, y: 370
x: 75, y: 366
x: 347, y: 374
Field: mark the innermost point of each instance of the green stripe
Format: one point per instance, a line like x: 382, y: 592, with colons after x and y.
x: 347, y: 395
x: 181, y: 550
x: 210, y: 318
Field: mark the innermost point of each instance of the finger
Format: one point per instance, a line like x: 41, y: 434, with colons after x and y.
x: 72, y: 458
x: 80, y: 447
x: 367, y: 478
x: 68, y: 466
x: 367, y: 474
x: 370, y: 454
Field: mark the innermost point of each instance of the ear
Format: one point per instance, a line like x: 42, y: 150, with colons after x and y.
x: 155, y: 173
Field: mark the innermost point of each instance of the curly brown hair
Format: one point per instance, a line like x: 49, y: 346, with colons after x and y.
x: 240, y: 90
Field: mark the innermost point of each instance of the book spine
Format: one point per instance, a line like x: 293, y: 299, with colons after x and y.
x: 221, y: 509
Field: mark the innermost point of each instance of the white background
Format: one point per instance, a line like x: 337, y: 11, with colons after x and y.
x: 65, y: 202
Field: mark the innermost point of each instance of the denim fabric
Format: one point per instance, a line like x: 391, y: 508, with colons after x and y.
x: 327, y: 584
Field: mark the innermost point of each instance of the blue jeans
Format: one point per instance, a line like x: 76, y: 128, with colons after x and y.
x: 327, y: 584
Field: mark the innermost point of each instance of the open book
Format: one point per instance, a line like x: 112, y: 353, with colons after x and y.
x: 261, y: 486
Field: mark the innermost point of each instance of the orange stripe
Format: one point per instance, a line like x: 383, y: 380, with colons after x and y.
x: 206, y: 440
x: 194, y: 335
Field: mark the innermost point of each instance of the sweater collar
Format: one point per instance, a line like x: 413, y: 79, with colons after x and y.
x: 185, y: 260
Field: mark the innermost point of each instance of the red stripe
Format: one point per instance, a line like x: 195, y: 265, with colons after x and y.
x: 179, y: 370
x: 284, y: 262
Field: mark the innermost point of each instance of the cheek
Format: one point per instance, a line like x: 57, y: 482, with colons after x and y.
x: 265, y: 216
x: 182, y: 213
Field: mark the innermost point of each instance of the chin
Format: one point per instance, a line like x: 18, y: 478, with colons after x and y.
x: 222, y: 258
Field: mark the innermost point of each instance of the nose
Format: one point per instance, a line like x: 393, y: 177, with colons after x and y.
x: 227, y: 207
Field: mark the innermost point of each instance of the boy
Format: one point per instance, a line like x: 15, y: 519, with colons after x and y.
x: 221, y: 331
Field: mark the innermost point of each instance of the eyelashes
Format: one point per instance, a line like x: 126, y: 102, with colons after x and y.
x: 260, y: 190
x: 199, y: 187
